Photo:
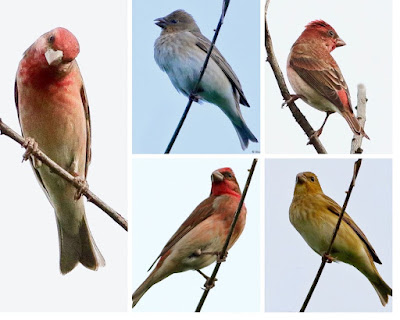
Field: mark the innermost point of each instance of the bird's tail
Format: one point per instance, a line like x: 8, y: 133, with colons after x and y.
x: 79, y: 247
x: 354, y: 124
x: 382, y: 289
x: 244, y: 134
x: 152, y: 279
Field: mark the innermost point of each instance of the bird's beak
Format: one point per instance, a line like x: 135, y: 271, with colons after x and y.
x: 217, y: 176
x: 53, y: 57
x: 161, y: 22
x: 340, y: 42
x: 300, y: 178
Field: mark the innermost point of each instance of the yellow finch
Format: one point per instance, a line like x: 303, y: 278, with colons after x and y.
x: 314, y: 215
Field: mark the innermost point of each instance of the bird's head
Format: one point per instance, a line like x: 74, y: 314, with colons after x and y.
x: 224, y: 182
x: 320, y: 30
x: 177, y: 21
x: 307, y: 183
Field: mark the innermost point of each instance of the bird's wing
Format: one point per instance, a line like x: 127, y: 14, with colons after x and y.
x: 323, y: 75
x: 336, y: 209
x: 37, y: 174
x: 203, y: 211
x: 88, y: 129
x: 204, y: 44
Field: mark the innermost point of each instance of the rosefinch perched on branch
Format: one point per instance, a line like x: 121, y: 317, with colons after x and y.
x: 315, y: 215
x: 181, y: 50
x: 53, y: 110
x: 316, y: 77
x: 200, y: 239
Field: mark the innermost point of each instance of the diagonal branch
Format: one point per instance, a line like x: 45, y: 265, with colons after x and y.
x: 357, y: 166
x: 203, y: 70
x: 211, y: 280
x: 298, y: 116
x: 91, y: 197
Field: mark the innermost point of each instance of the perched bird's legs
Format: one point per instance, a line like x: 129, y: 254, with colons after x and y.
x: 328, y: 258
x: 207, y: 285
x: 319, y: 131
x: 83, y: 186
x: 31, y: 146
x: 293, y: 98
x: 194, y: 97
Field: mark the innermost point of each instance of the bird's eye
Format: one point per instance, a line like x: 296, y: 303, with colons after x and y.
x: 312, y: 179
x: 331, y: 33
x: 51, y: 39
x: 174, y: 21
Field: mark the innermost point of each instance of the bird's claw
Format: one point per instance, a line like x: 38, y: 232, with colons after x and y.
x: 221, y: 258
x: 293, y: 98
x: 316, y: 134
x: 31, y: 146
x: 328, y: 258
x: 194, y: 97
x: 82, y: 188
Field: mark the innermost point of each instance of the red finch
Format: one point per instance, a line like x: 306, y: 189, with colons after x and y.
x: 315, y: 215
x: 200, y: 239
x: 180, y: 51
x: 53, y: 110
x: 316, y: 77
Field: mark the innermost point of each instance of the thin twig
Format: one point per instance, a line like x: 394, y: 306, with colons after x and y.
x: 196, y: 87
x: 211, y: 280
x: 298, y: 116
x: 361, y: 116
x: 357, y: 166
x: 55, y: 168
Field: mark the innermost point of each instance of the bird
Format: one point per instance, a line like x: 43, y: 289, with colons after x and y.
x: 314, y: 215
x: 199, y: 240
x: 316, y: 77
x: 181, y: 50
x: 53, y: 113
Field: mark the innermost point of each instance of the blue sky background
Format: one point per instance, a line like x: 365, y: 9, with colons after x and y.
x: 367, y: 58
x: 165, y: 192
x: 291, y: 264
x: 158, y: 107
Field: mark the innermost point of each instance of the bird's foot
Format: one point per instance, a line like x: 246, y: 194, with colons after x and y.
x: 194, y: 97
x: 293, y: 98
x: 328, y: 258
x: 316, y: 134
x: 220, y: 257
x: 206, y: 277
x: 82, y: 188
x: 31, y: 146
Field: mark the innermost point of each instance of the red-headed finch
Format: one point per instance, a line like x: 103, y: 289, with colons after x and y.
x: 200, y: 239
x: 315, y: 215
x: 315, y: 76
x: 180, y: 51
x: 53, y: 110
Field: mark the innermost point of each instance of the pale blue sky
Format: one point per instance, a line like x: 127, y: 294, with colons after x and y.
x: 366, y: 58
x: 157, y: 106
x: 165, y: 192
x: 291, y: 264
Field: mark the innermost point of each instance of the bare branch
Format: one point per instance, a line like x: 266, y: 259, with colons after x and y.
x: 91, y: 197
x: 357, y: 166
x: 361, y: 116
x: 298, y: 116
x: 211, y: 280
x: 203, y: 70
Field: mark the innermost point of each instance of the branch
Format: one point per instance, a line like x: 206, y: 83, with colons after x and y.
x: 211, y: 280
x: 357, y: 166
x: 298, y: 116
x: 193, y: 94
x: 361, y: 117
x: 91, y: 197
